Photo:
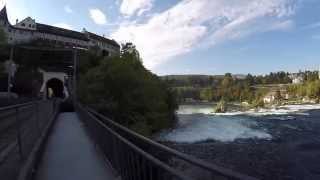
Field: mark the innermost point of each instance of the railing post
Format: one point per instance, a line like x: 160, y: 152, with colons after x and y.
x: 19, y: 134
x: 37, y: 117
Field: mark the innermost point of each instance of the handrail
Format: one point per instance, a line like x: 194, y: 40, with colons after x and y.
x: 200, y: 163
x: 140, y: 151
x: 22, y: 125
x: 16, y: 106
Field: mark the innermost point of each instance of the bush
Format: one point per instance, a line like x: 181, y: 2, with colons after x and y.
x: 258, y: 103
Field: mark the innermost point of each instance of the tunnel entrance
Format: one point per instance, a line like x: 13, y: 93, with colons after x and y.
x: 55, y: 88
x: 105, y: 53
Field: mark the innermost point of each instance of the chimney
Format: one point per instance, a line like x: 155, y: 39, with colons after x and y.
x: 17, y: 20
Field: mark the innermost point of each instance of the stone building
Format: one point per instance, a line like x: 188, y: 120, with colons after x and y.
x: 29, y: 30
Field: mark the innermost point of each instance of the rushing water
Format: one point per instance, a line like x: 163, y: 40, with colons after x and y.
x: 198, y: 123
x: 282, y: 143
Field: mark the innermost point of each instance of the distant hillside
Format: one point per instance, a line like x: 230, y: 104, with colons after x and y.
x: 199, y: 77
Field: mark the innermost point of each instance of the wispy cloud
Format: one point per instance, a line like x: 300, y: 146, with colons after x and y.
x: 98, y: 16
x: 68, y: 9
x: 130, y: 7
x: 63, y: 25
x: 191, y: 23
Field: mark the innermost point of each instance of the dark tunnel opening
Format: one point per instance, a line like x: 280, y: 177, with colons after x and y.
x: 55, y: 88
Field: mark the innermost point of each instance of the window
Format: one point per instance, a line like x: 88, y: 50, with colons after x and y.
x: 23, y: 24
x: 29, y: 25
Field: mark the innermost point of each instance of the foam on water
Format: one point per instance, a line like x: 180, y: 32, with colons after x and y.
x: 217, y: 128
x: 282, y: 110
x: 194, y: 109
x: 199, y: 123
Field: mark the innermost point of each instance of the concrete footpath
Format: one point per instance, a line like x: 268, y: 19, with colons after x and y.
x: 71, y: 154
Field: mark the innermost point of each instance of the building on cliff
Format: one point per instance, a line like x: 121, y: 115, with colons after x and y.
x: 29, y: 30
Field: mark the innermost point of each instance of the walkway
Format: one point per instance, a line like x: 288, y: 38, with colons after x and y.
x: 71, y: 154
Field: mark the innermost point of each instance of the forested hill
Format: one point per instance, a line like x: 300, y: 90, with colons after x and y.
x: 233, y: 87
x: 196, y: 80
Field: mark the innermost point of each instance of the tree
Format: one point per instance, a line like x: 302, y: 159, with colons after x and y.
x: 227, y: 80
x: 3, y: 37
x: 206, y: 94
x: 250, y: 79
x: 3, y: 41
x: 129, y: 49
x: 121, y: 88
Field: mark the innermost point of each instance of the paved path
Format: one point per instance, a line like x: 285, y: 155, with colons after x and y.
x: 71, y: 155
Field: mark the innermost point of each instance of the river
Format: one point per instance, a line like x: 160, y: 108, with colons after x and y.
x: 269, y: 144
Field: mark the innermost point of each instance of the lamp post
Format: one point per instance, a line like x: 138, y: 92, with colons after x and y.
x: 10, y: 69
x: 75, y: 66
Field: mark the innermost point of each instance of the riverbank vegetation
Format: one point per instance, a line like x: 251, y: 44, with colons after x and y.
x: 121, y: 88
x: 248, y: 90
x: 309, y: 89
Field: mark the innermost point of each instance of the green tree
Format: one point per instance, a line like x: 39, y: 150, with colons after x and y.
x: 206, y: 94
x: 3, y: 41
x: 3, y: 37
x: 129, y: 49
x: 121, y: 88
x: 250, y: 79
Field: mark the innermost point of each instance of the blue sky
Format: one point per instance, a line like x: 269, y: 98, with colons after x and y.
x: 195, y: 36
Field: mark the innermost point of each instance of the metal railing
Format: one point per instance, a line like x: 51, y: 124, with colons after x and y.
x: 20, y: 127
x: 130, y: 161
x: 120, y: 145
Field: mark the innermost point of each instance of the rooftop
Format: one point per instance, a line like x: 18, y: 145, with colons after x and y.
x: 43, y: 28
x: 100, y: 38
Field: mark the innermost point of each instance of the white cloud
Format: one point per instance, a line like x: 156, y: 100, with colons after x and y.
x: 193, y: 23
x: 283, y: 25
x: 68, y: 9
x: 63, y: 25
x: 130, y: 7
x: 98, y: 16
x: 2, y: 3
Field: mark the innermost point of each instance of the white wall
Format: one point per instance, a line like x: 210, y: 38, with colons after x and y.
x: 27, y: 23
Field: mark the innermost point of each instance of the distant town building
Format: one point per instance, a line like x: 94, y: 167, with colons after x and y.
x: 276, y: 95
x: 296, y: 78
x: 29, y: 30
x: 269, y: 98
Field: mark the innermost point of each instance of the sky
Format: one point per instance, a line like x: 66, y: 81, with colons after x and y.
x: 195, y: 36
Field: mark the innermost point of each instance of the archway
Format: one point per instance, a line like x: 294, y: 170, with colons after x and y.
x: 55, y: 88
x: 105, y: 53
